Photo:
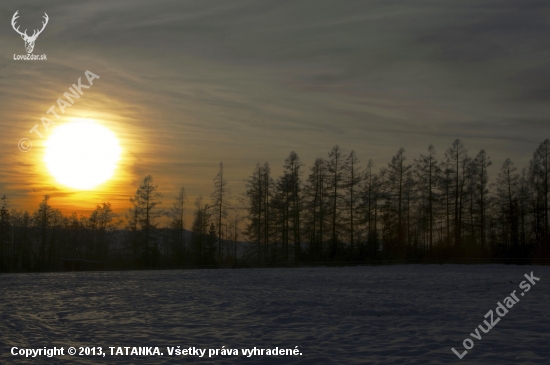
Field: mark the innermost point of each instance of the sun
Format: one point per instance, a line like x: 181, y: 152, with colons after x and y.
x: 82, y: 154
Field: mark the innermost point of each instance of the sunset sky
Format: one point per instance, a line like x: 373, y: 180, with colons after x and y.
x: 187, y: 84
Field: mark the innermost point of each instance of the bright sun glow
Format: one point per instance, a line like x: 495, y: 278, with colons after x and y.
x: 82, y: 154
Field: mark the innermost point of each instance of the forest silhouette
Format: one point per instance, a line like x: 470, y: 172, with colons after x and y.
x: 433, y: 208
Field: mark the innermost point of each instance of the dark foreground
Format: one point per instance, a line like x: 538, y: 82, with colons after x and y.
x: 410, y: 314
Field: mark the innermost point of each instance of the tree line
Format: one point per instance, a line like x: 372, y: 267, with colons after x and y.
x: 147, y: 236
x: 435, y: 206
x: 430, y: 207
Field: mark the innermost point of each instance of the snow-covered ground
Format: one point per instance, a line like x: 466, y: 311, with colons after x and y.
x: 408, y: 314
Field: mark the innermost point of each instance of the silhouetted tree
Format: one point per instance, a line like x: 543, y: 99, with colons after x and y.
x: 317, y: 193
x: 21, y: 223
x: 146, y: 212
x: 457, y: 165
x: 258, y: 200
x: 506, y: 189
x: 395, y: 182
x: 210, y: 248
x: 351, y: 179
x: 482, y: 162
x: 335, y: 172
x: 220, y: 203
x: 199, y: 237
x: 234, y: 232
x: 539, y: 169
x: 5, y: 228
x: 42, y: 220
x: 291, y: 183
x: 177, y: 224
x: 102, y: 222
x: 427, y: 172
x: 371, y: 193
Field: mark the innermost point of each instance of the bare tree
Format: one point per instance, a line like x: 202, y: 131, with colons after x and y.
x: 220, y: 202
x: 335, y: 170
x: 5, y: 227
x: 482, y: 162
x: 317, y: 194
x: 427, y: 171
x: 234, y: 232
x: 395, y: 180
x: 103, y: 223
x: 506, y: 189
x: 371, y: 193
x: 258, y: 200
x: 292, y: 183
x: 352, y: 178
x: 146, y: 212
x: 42, y: 220
x: 457, y: 163
x: 201, y: 244
x: 177, y: 223
x: 540, y: 176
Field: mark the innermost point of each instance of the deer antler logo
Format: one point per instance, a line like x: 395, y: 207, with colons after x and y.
x: 29, y: 41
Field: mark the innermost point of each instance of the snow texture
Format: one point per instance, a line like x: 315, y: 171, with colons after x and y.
x: 407, y: 314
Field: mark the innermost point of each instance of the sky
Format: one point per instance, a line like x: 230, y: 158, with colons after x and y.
x: 188, y: 84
